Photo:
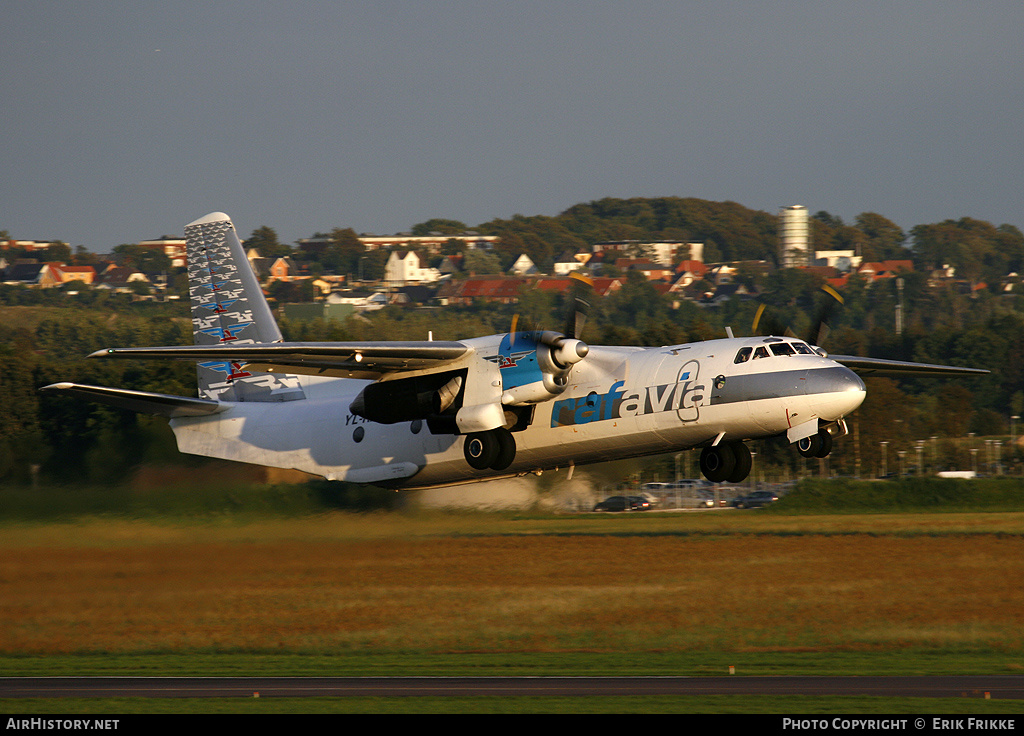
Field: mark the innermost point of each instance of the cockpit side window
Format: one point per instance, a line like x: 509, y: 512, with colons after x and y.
x: 743, y: 355
x: 803, y: 349
x: 761, y: 352
x: 782, y: 348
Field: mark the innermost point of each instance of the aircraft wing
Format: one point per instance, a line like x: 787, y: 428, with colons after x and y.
x: 882, y: 367
x: 165, y: 405
x: 337, y: 359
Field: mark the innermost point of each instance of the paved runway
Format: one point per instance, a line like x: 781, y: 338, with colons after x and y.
x: 1009, y: 686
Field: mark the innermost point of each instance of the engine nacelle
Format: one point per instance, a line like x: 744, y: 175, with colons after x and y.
x: 404, y: 400
x: 534, y: 393
x: 556, y: 355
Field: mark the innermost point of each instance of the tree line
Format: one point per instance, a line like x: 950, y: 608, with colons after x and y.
x: 45, y: 334
x: 979, y: 251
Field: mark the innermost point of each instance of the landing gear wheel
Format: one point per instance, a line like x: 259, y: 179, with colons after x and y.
x: 817, y: 445
x: 826, y: 444
x: 494, y: 450
x: 718, y: 462
x: 744, y: 462
x: 809, y: 446
x: 506, y: 449
x: 480, y: 449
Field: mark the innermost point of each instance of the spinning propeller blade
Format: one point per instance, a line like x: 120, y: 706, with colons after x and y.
x: 819, y: 328
x: 765, y: 324
x: 579, y: 304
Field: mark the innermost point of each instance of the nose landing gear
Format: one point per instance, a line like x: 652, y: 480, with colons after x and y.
x: 817, y: 445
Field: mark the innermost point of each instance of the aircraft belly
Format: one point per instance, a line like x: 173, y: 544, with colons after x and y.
x: 317, y: 437
x: 777, y: 415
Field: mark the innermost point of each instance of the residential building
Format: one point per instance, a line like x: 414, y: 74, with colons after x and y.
x: 523, y: 266
x: 429, y: 243
x: 506, y: 289
x: 407, y: 266
x: 663, y: 252
x: 173, y: 248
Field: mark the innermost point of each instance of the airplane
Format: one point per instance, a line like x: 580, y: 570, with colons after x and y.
x: 421, y: 414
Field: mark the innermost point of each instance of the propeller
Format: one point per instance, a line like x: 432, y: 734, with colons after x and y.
x: 568, y: 341
x: 819, y: 325
x: 579, y: 304
x: 771, y: 325
x: 555, y: 352
x: 826, y: 307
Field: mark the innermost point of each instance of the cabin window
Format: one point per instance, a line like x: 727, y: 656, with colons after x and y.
x: 761, y: 352
x: 782, y: 348
x: 803, y: 349
x: 743, y: 355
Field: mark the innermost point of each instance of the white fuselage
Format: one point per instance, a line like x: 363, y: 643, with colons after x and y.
x: 620, y: 402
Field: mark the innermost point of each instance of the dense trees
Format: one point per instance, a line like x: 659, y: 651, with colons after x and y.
x: 977, y: 250
x: 729, y: 230
x: 147, y: 260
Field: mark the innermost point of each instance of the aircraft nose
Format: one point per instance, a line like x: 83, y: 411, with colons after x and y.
x: 839, y: 387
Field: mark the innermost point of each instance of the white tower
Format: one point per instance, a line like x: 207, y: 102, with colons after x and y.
x: 794, y: 236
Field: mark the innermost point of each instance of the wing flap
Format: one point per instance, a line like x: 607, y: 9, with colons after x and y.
x: 146, y: 402
x: 339, y: 359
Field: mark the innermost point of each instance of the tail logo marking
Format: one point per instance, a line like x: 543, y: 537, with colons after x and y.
x: 227, y: 334
x: 233, y: 370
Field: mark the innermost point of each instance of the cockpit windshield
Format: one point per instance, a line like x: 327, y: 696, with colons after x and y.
x: 777, y: 348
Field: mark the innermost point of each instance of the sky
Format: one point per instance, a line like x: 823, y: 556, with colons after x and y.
x: 123, y: 121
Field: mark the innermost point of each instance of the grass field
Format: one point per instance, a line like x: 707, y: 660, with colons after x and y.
x: 482, y: 594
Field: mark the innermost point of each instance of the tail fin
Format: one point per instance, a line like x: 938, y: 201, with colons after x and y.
x: 228, y: 308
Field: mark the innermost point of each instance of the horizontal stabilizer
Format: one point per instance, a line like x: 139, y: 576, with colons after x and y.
x: 141, y: 401
x: 881, y: 367
x: 336, y: 359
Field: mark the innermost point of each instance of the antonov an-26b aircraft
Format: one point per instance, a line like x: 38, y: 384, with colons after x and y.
x: 422, y: 414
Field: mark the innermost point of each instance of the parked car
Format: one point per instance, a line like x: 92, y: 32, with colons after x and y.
x: 754, y: 500
x: 623, y: 503
x: 648, y: 497
x: 692, y: 502
x: 706, y: 498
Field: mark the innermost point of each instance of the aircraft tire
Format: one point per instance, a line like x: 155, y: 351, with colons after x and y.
x: 506, y: 448
x: 817, y: 445
x: 809, y: 446
x: 718, y: 462
x: 826, y: 444
x: 744, y: 462
x: 480, y: 449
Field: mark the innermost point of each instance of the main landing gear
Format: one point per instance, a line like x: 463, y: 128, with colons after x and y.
x: 494, y: 449
x: 726, y: 461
